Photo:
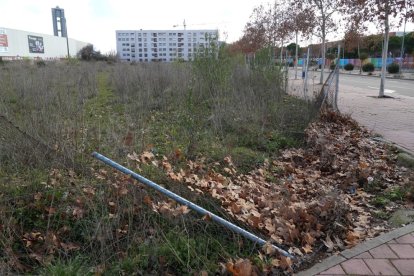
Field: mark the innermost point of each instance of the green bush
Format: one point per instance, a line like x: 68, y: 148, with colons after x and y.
x: 393, y: 68
x: 332, y: 66
x: 368, y: 67
x: 349, y: 67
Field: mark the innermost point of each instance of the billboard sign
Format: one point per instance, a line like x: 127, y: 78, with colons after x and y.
x: 36, y: 44
x: 4, y: 43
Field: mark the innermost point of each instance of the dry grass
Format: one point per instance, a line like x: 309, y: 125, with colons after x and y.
x: 60, y: 210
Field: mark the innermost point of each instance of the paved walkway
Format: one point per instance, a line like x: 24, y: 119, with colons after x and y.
x: 389, y: 254
x: 392, y: 118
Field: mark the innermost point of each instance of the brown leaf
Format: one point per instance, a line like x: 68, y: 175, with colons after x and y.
x: 329, y: 243
x: 243, y: 267
x: 147, y: 200
x: 307, y: 249
x: 207, y: 217
x: 285, y: 263
x: 78, y: 212
x: 69, y: 246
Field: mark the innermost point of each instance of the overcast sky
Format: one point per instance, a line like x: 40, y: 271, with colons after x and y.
x: 95, y: 21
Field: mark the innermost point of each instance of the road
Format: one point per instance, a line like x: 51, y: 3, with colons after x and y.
x: 393, y: 87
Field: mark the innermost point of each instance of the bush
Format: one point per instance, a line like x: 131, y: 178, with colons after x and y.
x: 349, y: 67
x: 332, y: 66
x: 393, y: 68
x: 368, y: 67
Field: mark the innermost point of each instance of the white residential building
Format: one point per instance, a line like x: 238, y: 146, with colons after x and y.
x: 162, y: 45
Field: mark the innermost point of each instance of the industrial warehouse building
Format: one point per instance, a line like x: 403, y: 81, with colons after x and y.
x: 17, y: 44
x: 162, y: 45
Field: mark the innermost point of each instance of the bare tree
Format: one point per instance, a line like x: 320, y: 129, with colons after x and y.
x: 381, y: 12
x: 299, y: 20
x: 353, y: 36
x: 324, y: 23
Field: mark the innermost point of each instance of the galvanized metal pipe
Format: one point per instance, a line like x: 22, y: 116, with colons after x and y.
x: 188, y: 203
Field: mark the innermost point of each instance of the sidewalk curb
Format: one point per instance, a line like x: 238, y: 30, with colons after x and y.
x: 357, y: 250
x: 373, y: 76
x: 400, y: 148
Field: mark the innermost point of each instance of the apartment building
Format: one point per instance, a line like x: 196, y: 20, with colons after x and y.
x: 162, y: 45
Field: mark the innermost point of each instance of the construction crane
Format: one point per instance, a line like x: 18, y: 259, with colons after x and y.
x: 200, y: 24
x: 184, y: 25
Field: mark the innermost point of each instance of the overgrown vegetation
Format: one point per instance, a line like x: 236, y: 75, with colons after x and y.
x: 63, y: 211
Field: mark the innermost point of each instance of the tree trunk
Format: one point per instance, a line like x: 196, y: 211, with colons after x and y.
x: 323, y: 57
x: 384, y: 55
x: 296, y: 57
x: 281, y: 54
x: 360, y: 61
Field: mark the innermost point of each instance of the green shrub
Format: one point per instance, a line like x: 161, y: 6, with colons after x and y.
x: 332, y: 66
x: 349, y: 67
x: 368, y: 67
x: 393, y: 68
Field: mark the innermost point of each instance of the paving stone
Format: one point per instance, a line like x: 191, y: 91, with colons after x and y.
x: 364, y: 255
x: 406, y: 239
x: 383, y: 252
x: 381, y: 267
x: 393, y: 241
x: 336, y: 270
x: 403, y: 250
x: 405, y: 267
x: 356, y: 267
x: 324, y: 265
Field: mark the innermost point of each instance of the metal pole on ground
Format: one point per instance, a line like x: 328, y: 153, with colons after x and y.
x: 188, y: 203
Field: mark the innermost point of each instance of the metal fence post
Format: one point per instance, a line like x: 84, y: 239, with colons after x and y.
x: 335, y: 103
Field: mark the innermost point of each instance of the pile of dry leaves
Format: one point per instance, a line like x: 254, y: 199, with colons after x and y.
x: 308, y: 199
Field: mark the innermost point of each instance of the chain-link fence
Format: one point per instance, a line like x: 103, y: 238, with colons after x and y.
x: 328, y: 97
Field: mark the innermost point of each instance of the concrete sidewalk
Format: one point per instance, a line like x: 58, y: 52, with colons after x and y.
x: 392, y: 118
x: 389, y: 254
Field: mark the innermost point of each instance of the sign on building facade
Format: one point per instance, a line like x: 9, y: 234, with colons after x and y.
x: 4, y: 43
x: 36, y: 44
